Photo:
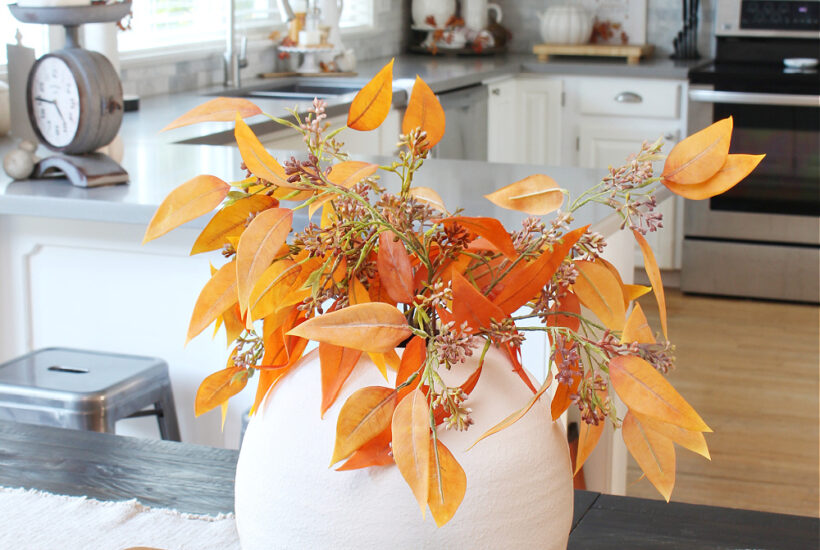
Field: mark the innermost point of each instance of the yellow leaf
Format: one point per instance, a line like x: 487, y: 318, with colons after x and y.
x: 448, y: 483
x: 220, y: 109
x: 258, y: 246
x: 411, y: 444
x: 188, y: 201
x: 270, y: 290
x: 694, y: 441
x: 429, y: 197
x: 218, y: 387
x: 588, y: 437
x: 224, y: 415
x: 380, y: 362
x: 733, y: 170
x: 601, y: 292
x: 357, y: 293
x: 256, y: 157
x: 424, y: 111
x: 372, y: 327
x: 699, y: 157
x: 350, y: 172
x: 637, y: 328
x: 230, y: 222
x: 218, y: 294
x: 654, y: 453
x: 518, y: 415
x: 654, y: 274
x: 365, y: 414
x: 645, y: 390
x: 372, y: 104
x: 633, y: 292
x: 537, y: 195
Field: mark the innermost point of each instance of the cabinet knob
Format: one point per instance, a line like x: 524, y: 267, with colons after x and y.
x: 671, y: 137
x: 628, y: 97
x: 496, y: 91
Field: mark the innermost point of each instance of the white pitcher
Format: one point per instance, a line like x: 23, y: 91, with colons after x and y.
x: 474, y: 13
x: 331, y: 13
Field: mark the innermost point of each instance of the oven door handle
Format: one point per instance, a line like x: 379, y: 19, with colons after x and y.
x: 790, y: 100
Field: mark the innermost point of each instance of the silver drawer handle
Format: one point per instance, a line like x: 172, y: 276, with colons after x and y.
x: 628, y: 97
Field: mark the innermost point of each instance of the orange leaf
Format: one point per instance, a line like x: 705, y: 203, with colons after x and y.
x: 188, y: 201
x: 568, y: 303
x: 372, y: 104
x: 562, y: 400
x: 256, y: 157
x: 411, y: 444
x: 733, y: 170
x: 518, y: 415
x: 357, y: 293
x: 336, y: 363
x: 364, y: 415
x: 373, y: 327
x: 429, y: 197
x: 218, y: 294
x: 588, y: 437
x: 694, y: 441
x: 234, y: 324
x: 258, y: 246
x: 220, y: 109
x: 524, y: 283
x: 645, y: 390
x: 471, y: 306
x: 412, y: 360
x: 376, y: 452
x: 218, y: 387
x: 600, y: 291
x: 699, y: 157
x: 633, y: 292
x: 424, y: 111
x: 537, y: 195
x: 637, y: 328
x: 489, y: 228
x: 395, y: 271
x: 650, y: 265
x: 270, y: 291
x: 350, y: 172
x: 654, y: 453
x: 448, y: 483
x: 230, y: 222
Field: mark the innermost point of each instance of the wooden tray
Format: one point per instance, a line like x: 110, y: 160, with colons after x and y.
x: 630, y: 52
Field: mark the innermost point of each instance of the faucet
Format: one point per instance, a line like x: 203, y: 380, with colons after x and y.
x: 233, y: 60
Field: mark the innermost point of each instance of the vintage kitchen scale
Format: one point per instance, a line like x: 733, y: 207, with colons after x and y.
x: 74, y: 97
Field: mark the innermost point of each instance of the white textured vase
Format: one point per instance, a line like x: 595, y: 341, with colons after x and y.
x: 441, y: 10
x: 568, y: 24
x: 519, y: 482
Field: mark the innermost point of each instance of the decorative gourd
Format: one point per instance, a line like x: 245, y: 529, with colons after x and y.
x: 569, y: 24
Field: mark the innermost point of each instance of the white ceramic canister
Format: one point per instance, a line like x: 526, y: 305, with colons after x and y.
x: 440, y: 10
x: 567, y: 24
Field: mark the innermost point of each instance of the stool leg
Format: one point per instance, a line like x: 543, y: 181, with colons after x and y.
x: 167, y: 416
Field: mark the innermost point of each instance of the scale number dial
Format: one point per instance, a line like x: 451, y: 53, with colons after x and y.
x: 55, y: 100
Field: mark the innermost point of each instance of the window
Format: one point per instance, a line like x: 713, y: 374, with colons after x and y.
x: 34, y: 36
x: 164, y: 23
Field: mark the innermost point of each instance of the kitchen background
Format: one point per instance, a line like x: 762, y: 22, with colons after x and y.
x: 389, y: 35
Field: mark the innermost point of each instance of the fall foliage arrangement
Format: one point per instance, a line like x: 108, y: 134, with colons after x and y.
x: 375, y: 271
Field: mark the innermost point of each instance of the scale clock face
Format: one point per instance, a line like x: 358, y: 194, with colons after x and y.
x: 56, y: 101
x: 74, y: 100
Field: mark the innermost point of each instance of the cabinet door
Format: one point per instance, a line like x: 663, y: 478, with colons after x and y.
x: 524, y: 121
x: 601, y: 146
x: 502, y: 122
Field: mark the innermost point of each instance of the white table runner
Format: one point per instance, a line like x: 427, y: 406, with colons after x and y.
x: 37, y: 520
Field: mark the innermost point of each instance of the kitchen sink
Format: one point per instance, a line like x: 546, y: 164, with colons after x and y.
x: 299, y: 90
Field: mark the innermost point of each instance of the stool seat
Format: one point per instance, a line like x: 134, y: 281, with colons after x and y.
x: 85, y: 389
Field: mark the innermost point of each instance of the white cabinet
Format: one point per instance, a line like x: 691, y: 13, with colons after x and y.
x: 524, y: 116
x: 590, y: 122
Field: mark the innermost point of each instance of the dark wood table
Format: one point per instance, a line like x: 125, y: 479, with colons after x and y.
x: 198, y: 479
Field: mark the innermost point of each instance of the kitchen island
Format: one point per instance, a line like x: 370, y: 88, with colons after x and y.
x: 199, y: 480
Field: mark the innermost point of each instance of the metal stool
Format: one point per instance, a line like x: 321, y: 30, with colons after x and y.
x: 86, y: 390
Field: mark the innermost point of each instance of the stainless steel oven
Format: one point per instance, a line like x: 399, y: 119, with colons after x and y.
x: 762, y: 238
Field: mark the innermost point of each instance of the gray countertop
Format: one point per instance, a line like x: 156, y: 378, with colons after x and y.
x: 157, y: 162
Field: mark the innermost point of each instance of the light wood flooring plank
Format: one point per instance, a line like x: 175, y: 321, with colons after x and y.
x: 751, y: 369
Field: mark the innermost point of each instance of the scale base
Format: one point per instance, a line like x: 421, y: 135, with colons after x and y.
x: 89, y: 170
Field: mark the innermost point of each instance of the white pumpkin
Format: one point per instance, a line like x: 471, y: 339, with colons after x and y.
x: 569, y: 24
x: 519, y: 482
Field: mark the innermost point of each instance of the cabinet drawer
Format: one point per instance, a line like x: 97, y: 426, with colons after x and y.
x: 630, y: 97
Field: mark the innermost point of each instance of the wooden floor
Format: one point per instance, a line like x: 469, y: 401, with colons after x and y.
x: 751, y: 369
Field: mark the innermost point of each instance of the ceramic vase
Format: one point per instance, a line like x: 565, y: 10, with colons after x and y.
x: 519, y: 483
x: 567, y: 24
x: 440, y: 10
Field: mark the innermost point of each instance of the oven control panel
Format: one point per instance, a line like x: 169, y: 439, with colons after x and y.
x: 768, y: 18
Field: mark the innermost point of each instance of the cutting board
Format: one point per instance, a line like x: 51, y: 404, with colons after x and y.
x: 632, y: 53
